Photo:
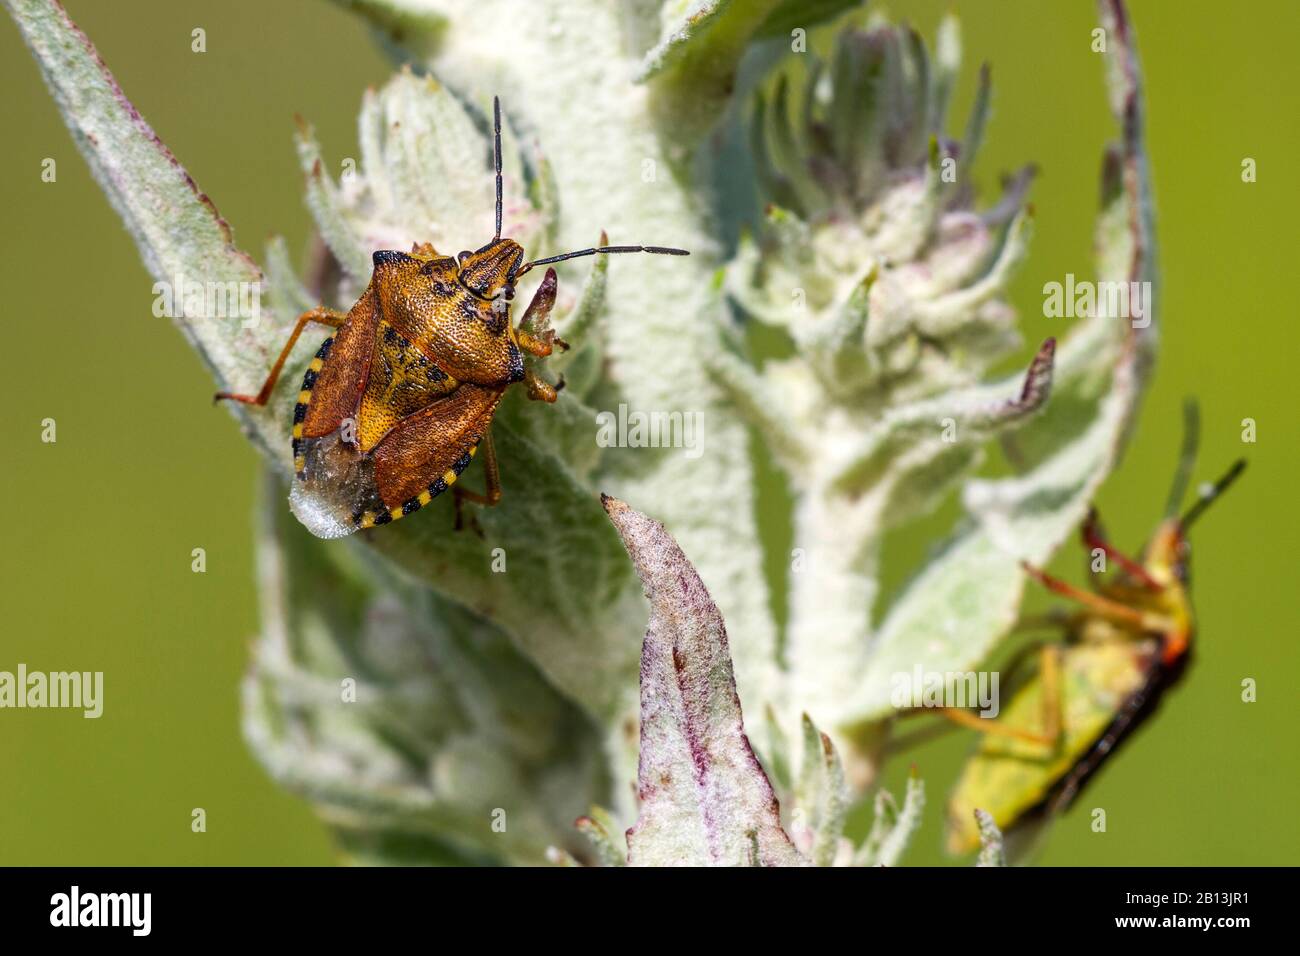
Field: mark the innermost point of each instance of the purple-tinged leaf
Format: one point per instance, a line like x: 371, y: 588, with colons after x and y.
x: 705, y: 799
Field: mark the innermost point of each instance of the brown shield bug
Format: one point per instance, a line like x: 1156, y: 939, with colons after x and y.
x: 400, y: 398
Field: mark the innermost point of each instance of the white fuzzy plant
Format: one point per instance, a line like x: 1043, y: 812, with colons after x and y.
x: 485, y: 708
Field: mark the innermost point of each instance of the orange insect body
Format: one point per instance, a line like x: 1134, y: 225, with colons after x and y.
x: 394, y: 406
x: 399, y: 400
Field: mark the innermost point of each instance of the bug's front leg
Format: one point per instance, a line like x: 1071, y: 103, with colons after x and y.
x: 1097, y: 604
x: 540, y: 345
x: 539, y: 389
x: 535, y: 337
x: 1094, y: 539
x: 534, y: 333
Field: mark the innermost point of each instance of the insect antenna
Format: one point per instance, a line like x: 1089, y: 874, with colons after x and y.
x: 1186, y: 457
x: 601, y: 250
x: 1210, y: 494
x: 496, y: 156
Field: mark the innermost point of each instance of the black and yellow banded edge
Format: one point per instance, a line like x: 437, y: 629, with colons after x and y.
x: 368, y: 519
x: 300, y: 409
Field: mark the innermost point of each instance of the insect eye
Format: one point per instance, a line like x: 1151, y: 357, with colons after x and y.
x: 463, y: 255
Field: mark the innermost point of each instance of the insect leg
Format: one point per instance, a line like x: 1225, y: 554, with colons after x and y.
x: 1010, y: 671
x: 535, y: 337
x: 1112, y: 610
x: 1094, y: 539
x: 534, y: 334
x: 538, y: 313
x: 540, y: 390
x: 1049, y: 672
x: 330, y: 317
x: 539, y: 345
x: 964, y: 718
x: 491, y: 483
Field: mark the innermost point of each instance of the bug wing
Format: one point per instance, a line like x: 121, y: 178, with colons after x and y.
x: 428, y: 451
x: 338, y: 376
x: 1008, y: 777
x: 342, y: 488
x: 333, y: 482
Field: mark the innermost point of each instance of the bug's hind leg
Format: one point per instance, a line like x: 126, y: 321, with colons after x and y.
x: 492, y: 488
x: 1048, y: 654
x: 321, y: 315
x: 1049, y: 672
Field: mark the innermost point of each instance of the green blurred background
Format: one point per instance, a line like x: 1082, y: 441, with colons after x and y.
x: 95, y: 571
